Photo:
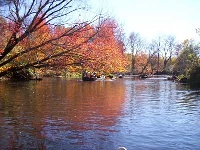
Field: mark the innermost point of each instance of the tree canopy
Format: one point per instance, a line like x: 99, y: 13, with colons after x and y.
x: 42, y: 33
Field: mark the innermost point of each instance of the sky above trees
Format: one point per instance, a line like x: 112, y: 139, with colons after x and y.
x: 153, y: 18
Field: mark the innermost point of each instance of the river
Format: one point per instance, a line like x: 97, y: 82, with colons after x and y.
x: 70, y: 114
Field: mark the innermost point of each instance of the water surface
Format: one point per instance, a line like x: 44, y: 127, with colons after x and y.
x: 75, y: 115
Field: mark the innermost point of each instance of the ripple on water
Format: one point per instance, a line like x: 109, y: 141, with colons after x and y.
x: 69, y: 114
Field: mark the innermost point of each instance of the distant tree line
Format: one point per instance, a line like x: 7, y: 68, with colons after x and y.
x: 164, y: 56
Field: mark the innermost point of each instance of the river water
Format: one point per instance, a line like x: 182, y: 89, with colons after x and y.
x: 66, y: 114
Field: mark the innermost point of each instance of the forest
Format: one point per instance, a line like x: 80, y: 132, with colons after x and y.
x: 46, y: 38
x: 165, y: 56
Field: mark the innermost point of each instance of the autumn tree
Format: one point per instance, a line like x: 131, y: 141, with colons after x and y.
x: 105, y: 52
x: 3, y: 29
x: 161, y: 52
x: 135, y: 43
x: 75, y: 60
x: 168, y: 49
x: 156, y: 48
x: 26, y: 18
x: 187, y: 59
x: 142, y: 63
x: 150, y: 59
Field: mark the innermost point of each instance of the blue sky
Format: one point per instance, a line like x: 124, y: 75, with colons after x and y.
x: 154, y: 18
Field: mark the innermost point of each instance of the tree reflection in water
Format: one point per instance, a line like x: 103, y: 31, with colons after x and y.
x: 59, y: 113
x: 71, y: 114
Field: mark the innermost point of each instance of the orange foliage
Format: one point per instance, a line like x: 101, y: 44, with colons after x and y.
x: 80, y: 47
x: 102, y: 53
x: 4, y: 36
x: 105, y: 53
x: 37, y: 38
x: 141, y: 62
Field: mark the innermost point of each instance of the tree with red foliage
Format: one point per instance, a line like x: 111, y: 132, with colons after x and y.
x: 25, y: 19
x: 105, y: 52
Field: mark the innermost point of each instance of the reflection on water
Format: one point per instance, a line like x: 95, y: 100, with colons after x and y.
x: 71, y: 114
